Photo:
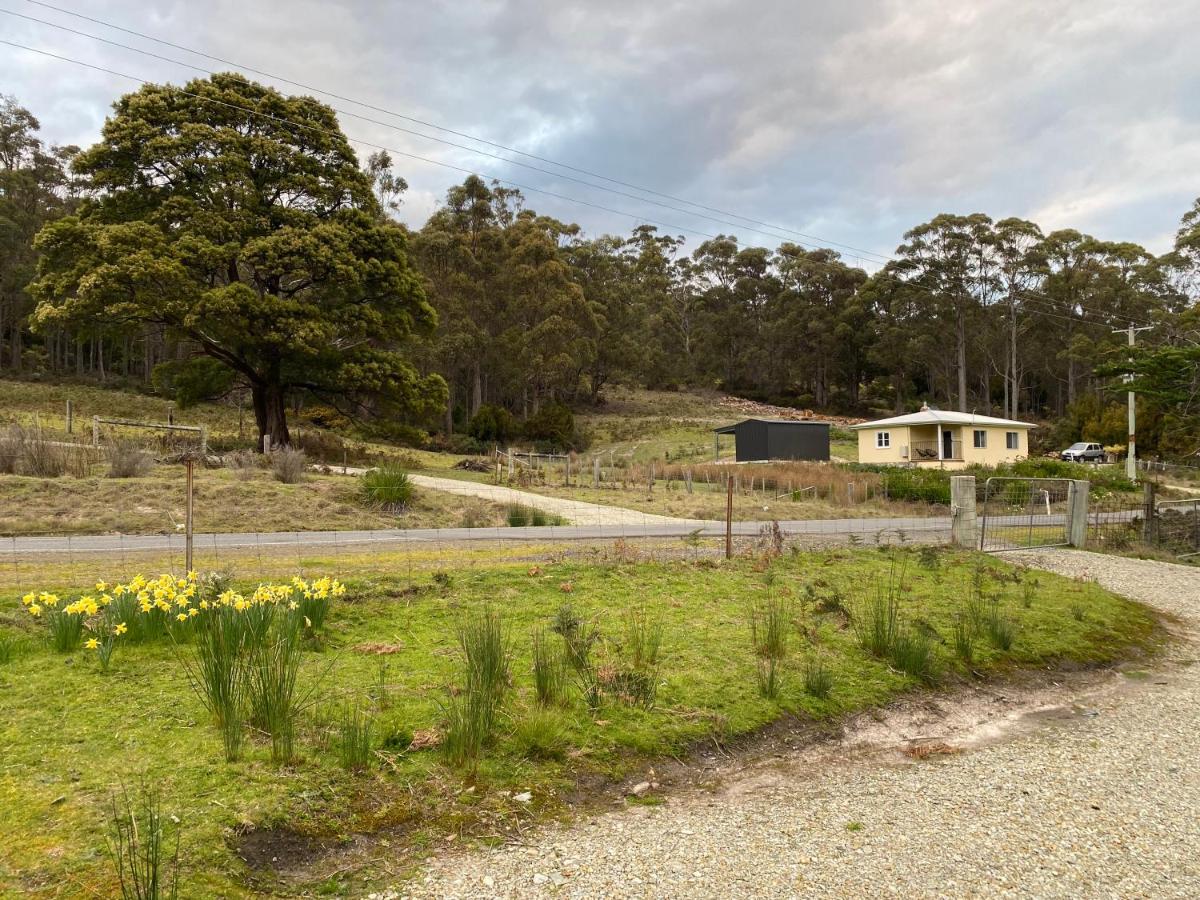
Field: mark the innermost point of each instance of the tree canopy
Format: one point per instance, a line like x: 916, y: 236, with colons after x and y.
x: 238, y: 218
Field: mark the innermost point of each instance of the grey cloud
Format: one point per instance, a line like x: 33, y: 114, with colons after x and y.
x: 853, y: 120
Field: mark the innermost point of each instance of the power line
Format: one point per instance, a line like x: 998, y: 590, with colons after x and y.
x: 427, y: 124
x: 314, y: 128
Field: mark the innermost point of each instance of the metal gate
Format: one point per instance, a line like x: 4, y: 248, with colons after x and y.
x: 1018, y: 513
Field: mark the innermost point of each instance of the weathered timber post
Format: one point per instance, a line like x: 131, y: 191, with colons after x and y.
x: 70, y: 417
x: 1077, y: 512
x: 964, y: 531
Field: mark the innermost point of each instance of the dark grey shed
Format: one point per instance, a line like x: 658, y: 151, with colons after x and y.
x: 759, y: 439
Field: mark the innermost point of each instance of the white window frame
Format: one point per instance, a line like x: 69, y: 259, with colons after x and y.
x: 1012, y: 440
x: 883, y: 440
x: 979, y: 438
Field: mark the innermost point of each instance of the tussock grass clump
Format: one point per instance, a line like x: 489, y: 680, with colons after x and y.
x: 216, y: 671
x: 354, y: 738
x: 643, y: 639
x: 913, y: 654
x: 10, y: 647
x: 12, y: 448
x: 42, y: 458
x: 768, y: 672
x: 770, y: 624
x: 518, y: 516
x: 964, y: 638
x: 541, y: 734
x: 289, y: 465
x: 818, y: 680
x: 549, y: 671
x: 1001, y: 631
x: 65, y: 629
x: 140, y: 845
x: 471, y: 717
x: 877, y: 620
x: 627, y: 685
x: 127, y: 460
x: 387, y: 487
x: 271, y: 686
x: 244, y: 462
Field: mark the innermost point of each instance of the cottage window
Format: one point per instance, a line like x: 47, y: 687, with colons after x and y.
x: 1012, y: 440
x: 883, y: 439
x: 980, y: 439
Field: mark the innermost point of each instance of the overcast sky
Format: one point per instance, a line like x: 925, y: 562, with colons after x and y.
x: 849, y: 121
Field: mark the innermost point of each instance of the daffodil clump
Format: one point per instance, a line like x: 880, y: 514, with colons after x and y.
x: 144, y: 609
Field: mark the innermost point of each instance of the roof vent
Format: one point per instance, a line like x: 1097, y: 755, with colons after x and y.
x: 924, y: 407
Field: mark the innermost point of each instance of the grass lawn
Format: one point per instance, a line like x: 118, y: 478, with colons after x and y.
x: 224, y: 500
x: 70, y: 735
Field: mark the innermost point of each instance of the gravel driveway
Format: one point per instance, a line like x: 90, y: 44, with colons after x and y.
x: 577, y: 512
x: 1096, y: 796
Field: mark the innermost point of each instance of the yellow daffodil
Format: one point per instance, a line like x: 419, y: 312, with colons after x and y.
x: 101, y: 586
x: 121, y: 628
x: 182, y: 617
x: 35, y: 610
x: 92, y: 644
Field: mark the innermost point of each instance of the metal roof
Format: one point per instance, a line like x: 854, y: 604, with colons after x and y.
x: 728, y: 429
x: 942, y: 417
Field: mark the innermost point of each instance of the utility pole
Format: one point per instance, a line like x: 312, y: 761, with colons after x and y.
x: 1131, y: 454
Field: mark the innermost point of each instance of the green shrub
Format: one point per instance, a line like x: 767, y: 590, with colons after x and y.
x: 553, y: 425
x: 493, y: 425
x: 387, y: 487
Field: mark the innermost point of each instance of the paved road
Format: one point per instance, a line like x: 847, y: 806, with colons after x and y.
x: 324, y: 540
x: 868, y: 528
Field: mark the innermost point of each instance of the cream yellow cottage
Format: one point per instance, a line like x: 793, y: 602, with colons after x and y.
x: 948, y: 440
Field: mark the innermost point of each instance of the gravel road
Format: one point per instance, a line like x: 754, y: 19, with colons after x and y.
x: 1093, y: 796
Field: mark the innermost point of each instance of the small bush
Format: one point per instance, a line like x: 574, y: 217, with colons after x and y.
x: 387, y: 487
x: 818, y: 680
x: 289, y: 465
x: 541, y: 734
x: 141, y: 847
x: 244, y: 462
x: 468, y: 727
x: 1078, y: 611
x: 127, y: 460
x: 12, y: 449
x: 42, y: 458
x: 913, y: 653
x: 632, y: 687
x: 488, y: 658
x: 354, y: 739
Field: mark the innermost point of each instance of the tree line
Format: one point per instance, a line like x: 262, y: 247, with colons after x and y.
x: 209, y: 249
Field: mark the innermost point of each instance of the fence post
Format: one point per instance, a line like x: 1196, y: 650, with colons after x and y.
x: 729, y: 518
x: 70, y: 418
x: 963, y: 529
x: 595, y: 471
x: 1077, y: 512
x: 204, y: 440
x: 95, y: 431
x: 1149, y: 538
x: 188, y: 520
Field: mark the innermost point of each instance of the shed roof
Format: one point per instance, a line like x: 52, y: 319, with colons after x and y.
x: 943, y: 417
x: 729, y: 429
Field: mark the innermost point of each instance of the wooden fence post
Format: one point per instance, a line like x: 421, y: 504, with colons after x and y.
x: 188, y: 521
x: 70, y: 418
x: 963, y: 531
x: 1148, y: 530
x: 95, y: 431
x: 729, y: 518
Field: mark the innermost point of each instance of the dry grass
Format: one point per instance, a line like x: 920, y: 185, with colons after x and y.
x: 225, y: 500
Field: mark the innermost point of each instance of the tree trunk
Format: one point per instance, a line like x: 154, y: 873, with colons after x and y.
x: 270, y: 413
x: 961, y: 341
x: 476, y: 391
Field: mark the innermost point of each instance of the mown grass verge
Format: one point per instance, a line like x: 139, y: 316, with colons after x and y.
x: 71, y: 735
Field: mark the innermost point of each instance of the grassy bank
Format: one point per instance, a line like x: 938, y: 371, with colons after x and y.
x: 225, y: 500
x: 70, y: 734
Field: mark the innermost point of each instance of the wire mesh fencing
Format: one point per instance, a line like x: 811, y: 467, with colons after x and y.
x: 1018, y: 513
